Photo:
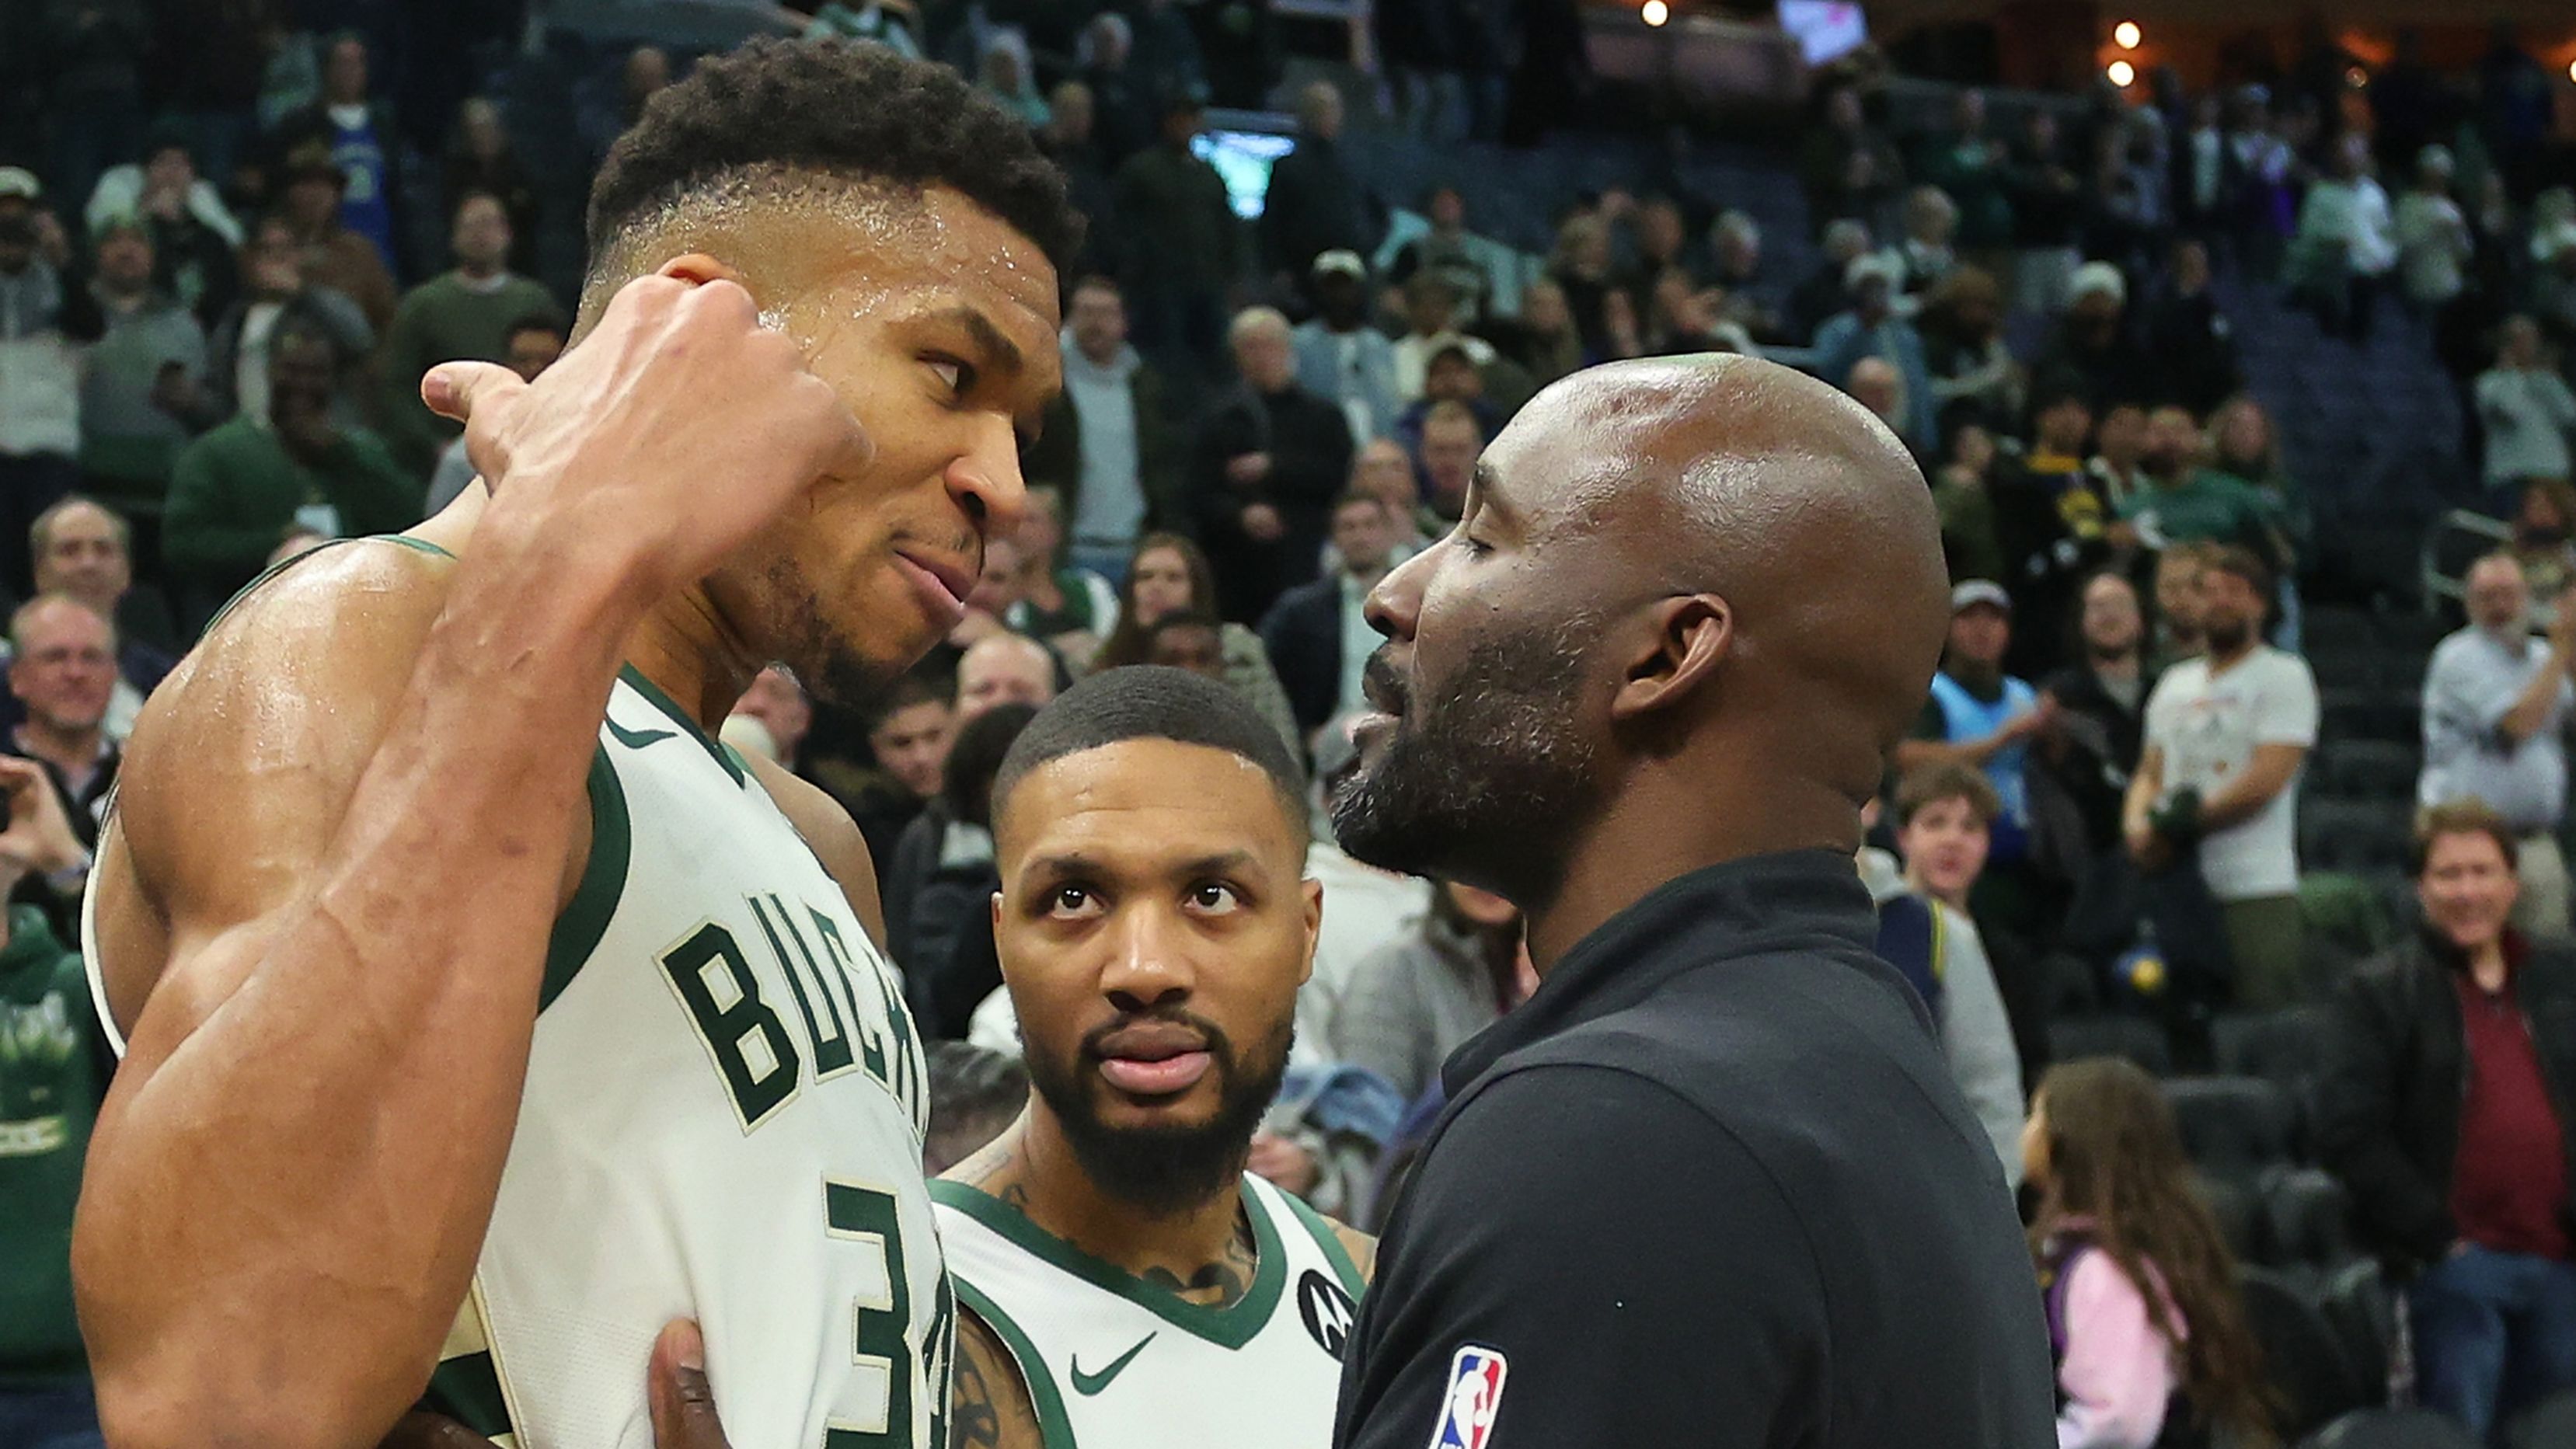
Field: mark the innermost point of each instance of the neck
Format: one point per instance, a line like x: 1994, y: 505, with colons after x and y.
x: 122, y: 297
x: 67, y: 749
x: 1044, y: 1180
x: 2120, y: 664
x: 478, y: 271
x: 1973, y: 673
x: 2487, y: 966
x: 1367, y: 578
x: 2225, y: 657
x: 694, y: 656
x: 1734, y: 809
x: 1102, y: 355
x: 1914, y: 881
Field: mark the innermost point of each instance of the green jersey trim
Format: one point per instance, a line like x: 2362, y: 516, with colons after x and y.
x: 1054, y: 1428
x: 418, y: 545
x: 1232, y: 1326
x: 603, y: 879
x: 1330, y: 1242
x: 467, y: 1388
x: 687, y: 722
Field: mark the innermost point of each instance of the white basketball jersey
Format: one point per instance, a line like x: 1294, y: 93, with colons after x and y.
x: 1113, y: 1362
x: 723, y: 1118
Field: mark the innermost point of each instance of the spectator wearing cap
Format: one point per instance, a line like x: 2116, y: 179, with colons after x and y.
x: 2217, y: 787
x: 1314, y: 204
x: 2496, y: 707
x: 356, y: 132
x: 2445, y: 1112
x: 1107, y: 448
x: 143, y: 393
x: 243, y: 489
x: 1341, y: 357
x: 1176, y: 288
x: 464, y: 313
x: 1451, y: 377
x: 334, y: 256
x: 2526, y: 408
x: 1981, y: 717
x: 1872, y: 328
x: 1267, y: 463
x: 2092, y: 342
x: 1431, y: 324
x: 273, y: 285
x: 193, y: 233
x: 1483, y: 275
x: 2434, y: 242
x: 41, y: 318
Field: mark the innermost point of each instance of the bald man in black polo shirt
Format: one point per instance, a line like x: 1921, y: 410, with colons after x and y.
x: 1711, y: 1185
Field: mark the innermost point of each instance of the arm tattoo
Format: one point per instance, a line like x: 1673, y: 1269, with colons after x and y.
x: 972, y: 1424
x: 989, y: 1408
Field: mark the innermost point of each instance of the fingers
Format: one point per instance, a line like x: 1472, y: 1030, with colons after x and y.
x: 684, y: 1407
x: 455, y: 389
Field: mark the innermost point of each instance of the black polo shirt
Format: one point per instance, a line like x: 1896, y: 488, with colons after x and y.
x: 1710, y: 1186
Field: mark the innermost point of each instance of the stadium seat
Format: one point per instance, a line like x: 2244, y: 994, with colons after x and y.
x: 2550, y: 1426
x: 2234, y: 1127
x: 2302, y: 1354
x: 2070, y: 987
x: 2391, y: 1429
x: 2308, y: 1218
x: 2238, y: 1213
x: 2077, y: 1037
x: 2359, y: 837
x: 2285, y: 1047
x: 2359, y: 1304
x: 2382, y: 770
x: 2372, y: 714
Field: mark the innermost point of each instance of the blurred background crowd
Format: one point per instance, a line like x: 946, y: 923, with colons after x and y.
x: 2227, y: 855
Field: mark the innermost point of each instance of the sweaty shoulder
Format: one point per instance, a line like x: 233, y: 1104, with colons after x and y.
x: 242, y: 763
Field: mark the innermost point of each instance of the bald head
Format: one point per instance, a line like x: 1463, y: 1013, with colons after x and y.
x: 1003, y: 669
x: 1688, y: 595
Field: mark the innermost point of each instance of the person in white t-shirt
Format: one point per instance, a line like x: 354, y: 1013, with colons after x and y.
x: 2227, y: 735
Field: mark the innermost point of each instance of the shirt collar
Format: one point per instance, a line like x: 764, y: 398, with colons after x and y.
x: 1794, y: 900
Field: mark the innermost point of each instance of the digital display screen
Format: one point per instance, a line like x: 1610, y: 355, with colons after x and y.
x: 1244, y: 159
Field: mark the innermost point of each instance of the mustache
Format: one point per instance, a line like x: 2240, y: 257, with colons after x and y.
x: 1383, y: 684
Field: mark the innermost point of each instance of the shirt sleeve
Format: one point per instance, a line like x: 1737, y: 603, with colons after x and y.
x: 1976, y: 1037
x: 2289, y: 707
x: 2118, y: 1372
x: 1639, y: 1275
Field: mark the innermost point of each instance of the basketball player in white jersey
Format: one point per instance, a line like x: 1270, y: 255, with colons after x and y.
x: 1123, y: 1283
x: 480, y: 1014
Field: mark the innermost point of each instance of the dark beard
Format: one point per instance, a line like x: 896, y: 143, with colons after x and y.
x: 2226, y: 638
x: 828, y: 669
x: 1484, y: 784
x: 1163, y: 1172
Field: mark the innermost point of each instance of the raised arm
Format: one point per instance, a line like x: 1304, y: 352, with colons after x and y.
x: 343, y: 867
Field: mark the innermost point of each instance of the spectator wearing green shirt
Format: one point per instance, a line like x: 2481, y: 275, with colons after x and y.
x: 53, y: 1071
x: 239, y: 491
x: 466, y: 313
x: 2184, y: 502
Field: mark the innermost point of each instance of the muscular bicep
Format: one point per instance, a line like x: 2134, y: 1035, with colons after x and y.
x: 239, y: 775
x: 990, y: 1406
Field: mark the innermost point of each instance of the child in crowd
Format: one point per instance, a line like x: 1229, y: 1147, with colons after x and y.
x: 2143, y: 1318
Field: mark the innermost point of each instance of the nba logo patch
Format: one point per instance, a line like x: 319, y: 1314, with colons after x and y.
x: 1475, y: 1394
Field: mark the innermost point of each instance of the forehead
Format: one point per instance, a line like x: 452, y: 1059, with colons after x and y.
x: 66, y: 627
x: 2462, y: 847
x: 1004, y: 662
x: 81, y: 525
x: 1142, y: 805
x: 877, y: 250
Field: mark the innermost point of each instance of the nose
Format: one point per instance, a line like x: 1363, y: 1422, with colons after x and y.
x: 1144, y: 971
x: 1395, y: 605
x: 985, y: 480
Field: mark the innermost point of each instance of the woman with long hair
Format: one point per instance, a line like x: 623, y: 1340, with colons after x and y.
x: 2143, y: 1317
x: 1170, y: 575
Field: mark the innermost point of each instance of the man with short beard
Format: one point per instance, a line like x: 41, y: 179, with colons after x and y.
x: 2217, y: 787
x: 1120, y: 1278
x: 2102, y: 707
x: 1642, y: 691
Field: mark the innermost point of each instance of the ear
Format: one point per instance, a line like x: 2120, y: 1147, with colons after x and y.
x: 1314, y: 926
x: 997, y: 914
x: 698, y: 269
x: 1690, y: 635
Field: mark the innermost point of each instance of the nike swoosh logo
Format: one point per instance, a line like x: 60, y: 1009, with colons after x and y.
x: 637, y: 739
x: 1090, y: 1384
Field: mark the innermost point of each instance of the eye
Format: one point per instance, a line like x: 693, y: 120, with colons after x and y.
x: 1475, y: 547
x: 959, y: 376
x: 1070, y: 902
x: 1215, y: 898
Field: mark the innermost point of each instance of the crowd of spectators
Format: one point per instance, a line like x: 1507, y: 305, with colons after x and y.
x: 214, y: 314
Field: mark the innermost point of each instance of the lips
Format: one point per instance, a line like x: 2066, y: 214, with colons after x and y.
x: 942, y: 584
x: 1153, y: 1059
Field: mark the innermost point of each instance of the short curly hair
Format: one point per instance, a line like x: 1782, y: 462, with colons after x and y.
x: 852, y: 109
